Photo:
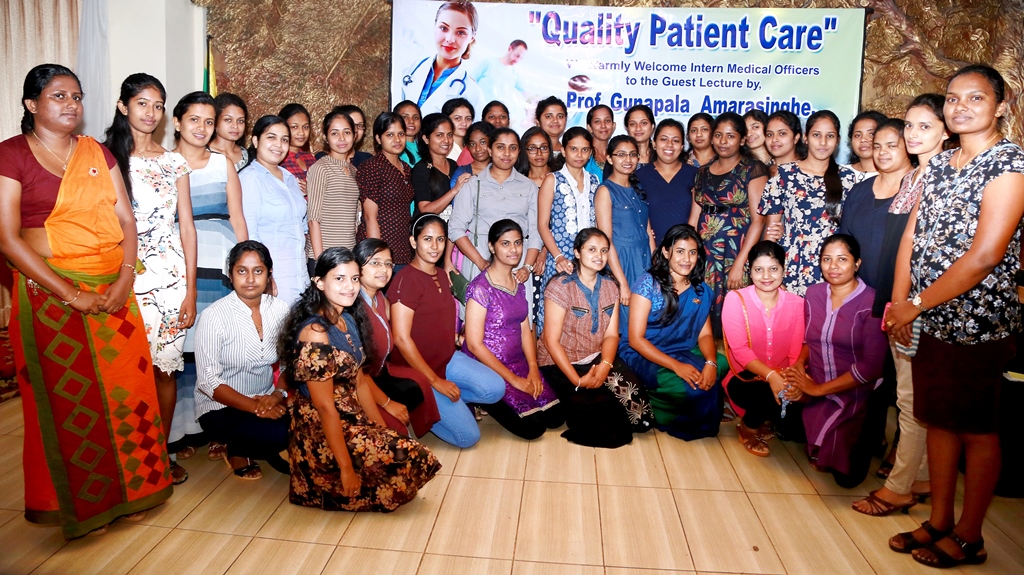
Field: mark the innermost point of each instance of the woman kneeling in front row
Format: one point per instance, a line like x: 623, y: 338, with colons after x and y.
x: 669, y: 315
x: 342, y: 455
x: 605, y: 403
x: 236, y: 348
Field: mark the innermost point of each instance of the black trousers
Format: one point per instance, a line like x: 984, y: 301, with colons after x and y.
x: 758, y: 402
x: 530, y: 427
x: 404, y: 391
x: 248, y: 435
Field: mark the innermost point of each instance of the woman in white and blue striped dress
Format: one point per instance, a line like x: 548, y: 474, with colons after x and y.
x: 217, y: 211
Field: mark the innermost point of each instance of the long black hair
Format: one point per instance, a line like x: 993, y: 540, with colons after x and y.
x: 258, y: 129
x: 186, y: 102
x: 36, y: 81
x: 614, y: 144
x: 428, y: 124
x: 314, y: 305
x: 119, y: 139
x: 792, y: 121
x: 662, y: 274
x: 833, y: 182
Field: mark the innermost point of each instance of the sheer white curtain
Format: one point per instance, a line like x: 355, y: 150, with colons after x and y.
x: 93, y: 68
x: 32, y: 32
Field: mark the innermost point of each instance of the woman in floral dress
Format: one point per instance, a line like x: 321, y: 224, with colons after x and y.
x: 158, y: 186
x: 342, y: 456
x: 725, y: 197
x: 565, y: 205
x: 803, y: 202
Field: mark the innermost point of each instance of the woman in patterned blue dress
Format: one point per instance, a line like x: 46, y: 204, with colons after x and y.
x: 565, y: 205
x: 803, y: 202
x: 217, y: 211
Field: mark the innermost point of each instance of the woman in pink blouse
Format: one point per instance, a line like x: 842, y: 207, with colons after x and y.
x: 763, y: 326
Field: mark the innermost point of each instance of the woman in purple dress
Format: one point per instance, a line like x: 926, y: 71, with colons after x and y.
x: 844, y: 351
x: 498, y: 335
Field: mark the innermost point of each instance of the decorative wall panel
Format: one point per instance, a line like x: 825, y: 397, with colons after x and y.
x: 327, y: 52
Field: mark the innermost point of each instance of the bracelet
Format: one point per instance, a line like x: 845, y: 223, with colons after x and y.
x: 386, y: 403
x: 578, y: 383
x: 529, y: 267
x: 610, y: 366
x: 767, y: 377
x: 709, y: 362
x: 131, y: 267
x: 558, y: 256
x: 72, y: 300
x: 284, y: 394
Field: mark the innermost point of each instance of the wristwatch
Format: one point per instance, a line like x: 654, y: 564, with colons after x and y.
x: 529, y: 267
x: 917, y: 302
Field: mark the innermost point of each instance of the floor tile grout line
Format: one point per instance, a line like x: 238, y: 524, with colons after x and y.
x: 433, y: 524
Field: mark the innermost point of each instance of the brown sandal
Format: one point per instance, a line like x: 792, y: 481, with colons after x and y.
x: 878, y: 507
x: 908, y: 542
x: 217, y: 451
x: 752, y: 441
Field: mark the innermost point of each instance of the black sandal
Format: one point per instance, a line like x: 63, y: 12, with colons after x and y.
x: 178, y: 473
x: 935, y: 556
x: 909, y: 543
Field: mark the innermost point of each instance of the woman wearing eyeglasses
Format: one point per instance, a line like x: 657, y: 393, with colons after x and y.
x: 622, y: 214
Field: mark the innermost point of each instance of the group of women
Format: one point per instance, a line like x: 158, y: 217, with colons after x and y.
x: 348, y: 303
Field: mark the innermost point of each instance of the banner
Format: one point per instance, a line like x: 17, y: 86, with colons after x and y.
x: 678, y: 61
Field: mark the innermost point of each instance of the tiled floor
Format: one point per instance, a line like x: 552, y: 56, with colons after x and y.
x: 509, y: 507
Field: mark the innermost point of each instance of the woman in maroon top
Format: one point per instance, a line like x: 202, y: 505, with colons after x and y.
x: 401, y: 396
x: 385, y: 191
x: 423, y: 315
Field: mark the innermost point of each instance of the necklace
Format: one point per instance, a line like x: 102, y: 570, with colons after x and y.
x: 64, y: 162
x: 960, y: 151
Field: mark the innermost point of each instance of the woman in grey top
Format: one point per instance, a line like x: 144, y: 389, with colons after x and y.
x: 497, y: 193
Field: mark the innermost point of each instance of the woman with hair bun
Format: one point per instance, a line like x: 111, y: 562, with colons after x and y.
x: 342, y: 456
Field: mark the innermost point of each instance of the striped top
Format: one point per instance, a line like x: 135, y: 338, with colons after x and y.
x: 333, y: 202
x: 229, y: 350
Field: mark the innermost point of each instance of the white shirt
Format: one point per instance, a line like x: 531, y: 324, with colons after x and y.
x: 229, y: 350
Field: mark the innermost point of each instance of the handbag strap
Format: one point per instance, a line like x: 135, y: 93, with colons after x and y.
x: 746, y: 319
x: 725, y: 338
x: 476, y: 215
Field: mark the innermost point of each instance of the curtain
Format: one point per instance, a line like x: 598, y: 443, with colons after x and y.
x: 32, y: 32
x: 93, y: 68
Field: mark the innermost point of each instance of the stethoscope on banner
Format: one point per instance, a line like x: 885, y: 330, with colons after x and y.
x: 407, y: 79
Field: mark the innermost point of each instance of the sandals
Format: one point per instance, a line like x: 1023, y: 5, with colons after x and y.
x: 217, y: 451
x: 909, y: 543
x: 752, y: 441
x: 878, y: 507
x: 178, y: 474
x: 186, y: 453
x: 935, y: 556
x: 249, y: 472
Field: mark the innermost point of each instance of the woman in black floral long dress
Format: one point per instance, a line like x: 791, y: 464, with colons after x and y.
x: 342, y: 455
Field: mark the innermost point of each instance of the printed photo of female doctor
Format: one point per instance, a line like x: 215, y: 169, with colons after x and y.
x: 435, y: 79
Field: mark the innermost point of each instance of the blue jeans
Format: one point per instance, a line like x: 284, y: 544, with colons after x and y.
x: 477, y: 383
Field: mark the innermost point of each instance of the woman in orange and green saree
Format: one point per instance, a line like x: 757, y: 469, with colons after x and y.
x: 94, y: 446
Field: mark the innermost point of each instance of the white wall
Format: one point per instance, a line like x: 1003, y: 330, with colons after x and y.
x: 163, y: 38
